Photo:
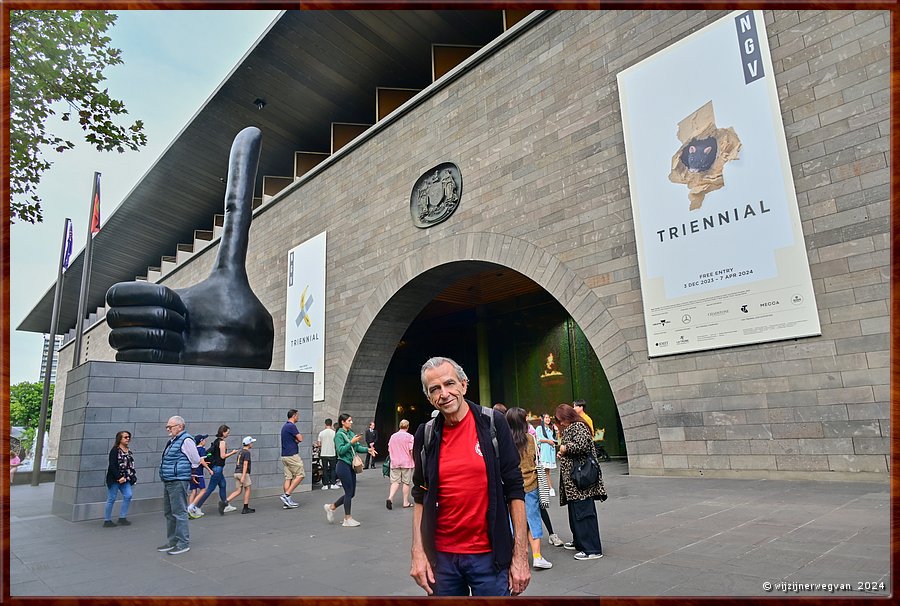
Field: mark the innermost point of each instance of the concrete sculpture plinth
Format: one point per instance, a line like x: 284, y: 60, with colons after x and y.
x: 102, y: 398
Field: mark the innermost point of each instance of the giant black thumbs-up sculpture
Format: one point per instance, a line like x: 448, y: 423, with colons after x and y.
x: 217, y: 322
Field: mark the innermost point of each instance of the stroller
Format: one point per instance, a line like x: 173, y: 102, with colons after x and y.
x: 602, y: 455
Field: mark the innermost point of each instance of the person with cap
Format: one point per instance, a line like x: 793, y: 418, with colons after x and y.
x: 198, y: 481
x: 242, y: 475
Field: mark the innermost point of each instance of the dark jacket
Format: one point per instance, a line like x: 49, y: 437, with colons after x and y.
x: 504, y: 481
x: 114, y: 471
x: 175, y: 464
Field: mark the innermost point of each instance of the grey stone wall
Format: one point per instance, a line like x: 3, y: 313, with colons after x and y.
x: 103, y: 398
x: 536, y: 131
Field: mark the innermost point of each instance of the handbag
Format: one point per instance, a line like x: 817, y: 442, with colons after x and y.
x: 357, y: 464
x: 585, y: 471
x: 386, y: 466
x: 543, y: 487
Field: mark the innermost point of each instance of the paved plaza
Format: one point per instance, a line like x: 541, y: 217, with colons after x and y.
x: 661, y: 537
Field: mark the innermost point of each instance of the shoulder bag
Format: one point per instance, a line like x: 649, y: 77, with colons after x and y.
x: 357, y: 463
x: 585, y: 471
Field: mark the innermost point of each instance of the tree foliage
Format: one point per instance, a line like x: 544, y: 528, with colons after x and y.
x: 57, y: 59
x: 25, y: 404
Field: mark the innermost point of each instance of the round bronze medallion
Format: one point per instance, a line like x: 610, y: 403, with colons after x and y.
x: 435, y: 195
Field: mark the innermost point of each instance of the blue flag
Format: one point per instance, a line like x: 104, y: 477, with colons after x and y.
x: 68, y: 253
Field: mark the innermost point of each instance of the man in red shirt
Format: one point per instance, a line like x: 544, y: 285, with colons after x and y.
x: 471, y: 467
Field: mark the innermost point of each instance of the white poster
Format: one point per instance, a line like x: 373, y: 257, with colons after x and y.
x: 304, y: 335
x: 720, y: 248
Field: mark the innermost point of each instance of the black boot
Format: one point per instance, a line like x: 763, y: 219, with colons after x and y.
x: 247, y: 509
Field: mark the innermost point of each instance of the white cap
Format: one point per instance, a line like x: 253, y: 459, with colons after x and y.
x: 249, y: 440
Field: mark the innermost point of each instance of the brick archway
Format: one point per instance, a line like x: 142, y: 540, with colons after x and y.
x: 419, y: 277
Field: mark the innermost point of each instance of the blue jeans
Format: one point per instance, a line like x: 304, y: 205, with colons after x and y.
x: 217, y: 479
x: 458, y: 573
x: 533, y: 513
x: 348, y: 483
x: 175, y: 509
x: 111, y: 492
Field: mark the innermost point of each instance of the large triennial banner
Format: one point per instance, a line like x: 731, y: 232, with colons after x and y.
x: 720, y: 246
x: 304, y: 335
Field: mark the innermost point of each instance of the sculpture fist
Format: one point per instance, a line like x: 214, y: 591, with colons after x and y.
x: 216, y: 322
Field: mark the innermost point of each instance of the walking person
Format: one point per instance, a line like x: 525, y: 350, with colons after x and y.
x: 242, y: 475
x: 294, y: 471
x: 120, y: 477
x: 178, y: 457
x: 465, y: 458
x: 327, y: 456
x: 218, y: 452
x: 346, y: 444
x: 400, y: 453
x: 528, y: 458
x: 198, y: 480
x: 371, y: 438
x: 575, y: 442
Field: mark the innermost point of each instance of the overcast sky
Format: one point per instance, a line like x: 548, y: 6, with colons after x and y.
x: 173, y: 61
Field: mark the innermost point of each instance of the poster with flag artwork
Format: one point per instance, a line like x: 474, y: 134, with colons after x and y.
x: 304, y: 335
x: 721, y: 253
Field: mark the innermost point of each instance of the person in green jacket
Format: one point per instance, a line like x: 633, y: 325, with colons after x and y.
x: 346, y: 444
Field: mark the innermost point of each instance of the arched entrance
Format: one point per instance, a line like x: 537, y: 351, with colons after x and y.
x: 518, y: 346
x: 361, y: 366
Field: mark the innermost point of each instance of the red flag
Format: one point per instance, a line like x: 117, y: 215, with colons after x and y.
x: 95, y: 215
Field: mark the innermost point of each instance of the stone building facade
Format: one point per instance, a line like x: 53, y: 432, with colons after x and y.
x: 536, y: 130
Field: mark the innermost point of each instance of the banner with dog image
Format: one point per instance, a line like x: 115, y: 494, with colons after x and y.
x: 304, y: 334
x: 720, y: 246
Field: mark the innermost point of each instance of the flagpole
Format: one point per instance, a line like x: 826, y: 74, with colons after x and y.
x: 48, y: 367
x: 85, y: 274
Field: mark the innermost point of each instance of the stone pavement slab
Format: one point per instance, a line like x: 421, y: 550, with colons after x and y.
x: 662, y: 536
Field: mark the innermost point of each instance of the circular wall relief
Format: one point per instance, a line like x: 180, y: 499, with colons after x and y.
x: 435, y: 195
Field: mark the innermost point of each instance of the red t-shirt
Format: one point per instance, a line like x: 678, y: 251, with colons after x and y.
x: 463, y: 493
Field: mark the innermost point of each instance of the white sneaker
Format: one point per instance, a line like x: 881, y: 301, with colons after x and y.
x: 229, y: 508
x: 555, y: 540
x: 324, y: 486
x: 350, y: 522
x: 292, y: 504
x: 588, y: 556
x: 329, y: 513
x: 552, y: 493
x: 334, y: 487
x: 194, y: 513
x: 542, y: 563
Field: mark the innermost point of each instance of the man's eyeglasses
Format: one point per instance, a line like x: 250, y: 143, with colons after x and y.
x: 171, y: 426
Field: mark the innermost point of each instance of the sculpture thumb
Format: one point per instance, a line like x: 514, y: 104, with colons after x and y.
x: 242, y: 164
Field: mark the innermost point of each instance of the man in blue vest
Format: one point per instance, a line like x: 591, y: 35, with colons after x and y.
x: 179, y: 456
